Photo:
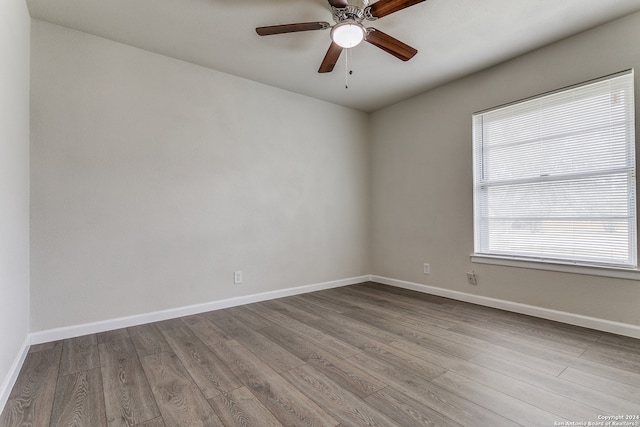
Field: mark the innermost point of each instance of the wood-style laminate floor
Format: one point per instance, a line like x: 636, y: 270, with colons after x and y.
x: 363, y: 355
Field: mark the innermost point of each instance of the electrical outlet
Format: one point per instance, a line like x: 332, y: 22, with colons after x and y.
x: 426, y: 268
x: 472, y: 279
x: 237, y: 277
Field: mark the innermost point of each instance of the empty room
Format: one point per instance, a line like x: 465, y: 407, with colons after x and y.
x: 319, y: 213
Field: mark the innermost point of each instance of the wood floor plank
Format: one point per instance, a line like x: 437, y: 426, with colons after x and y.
x: 522, y: 345
x: 570, y: 336
x: 217, y: 314
x: 363, y: 301
x: 178, y: 397
x: 554, y: 403
x: 433, y: 396
x: 169, y: 324
x: 422, y: 366
x: 568, y: 342
x: 288, y: 404
x: 147, y: 340
x: 365, y: 354
x: 79, y: 400
x: 116, y: 334
x: 38, y: 368
x: 408, y: 411
x: 619, y: 360
x: 603, y: 384
x: 433, y: 356
x: 314, y: 303
x: 421, y: 320
x: 591, y: 397
x: 540, y: 338
x: 412, y: 334
x: 544, y: 366
x: 346, y: 302
x: 349, y: 377
x: 205, y: 329
x: 514, y: 409
x: 45, y: 346
x: 156, y: 422
x: 517, y: 321
x: 274, y: 355
x: 305, y: 304
x: 240, y: 408
x: 31, y: 398
x: 292, y: 308
x: 255, y: 321
x: 609, y: 372
x: 336, y: 304
x: 411, y: 310
x: 457, y: 311
x: 477, y: 344
x: 481, y: 345
x: 412, y: 300
x: 344, y: 406
x: 442, y: 316
x: 357, y: 333
x: 618, y: 352
x: 345, y: 330
x: 209, y: 373
x: 434, y: 299
x: 372, y: 340
x: 335, y: 346
x: 128, y: 397
x: 330, y: 327
x: 79, y: 354
x: 619, y: 341
x: 425, y: 324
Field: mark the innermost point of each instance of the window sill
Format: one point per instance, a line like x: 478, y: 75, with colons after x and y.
x: 617, y: 273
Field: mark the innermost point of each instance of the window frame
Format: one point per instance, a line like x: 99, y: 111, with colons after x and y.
x: 540, y: 260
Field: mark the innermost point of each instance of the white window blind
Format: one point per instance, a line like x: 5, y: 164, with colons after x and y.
x: 554, y: 176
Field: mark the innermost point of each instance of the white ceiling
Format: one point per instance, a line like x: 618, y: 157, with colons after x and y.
x: 453, y: 38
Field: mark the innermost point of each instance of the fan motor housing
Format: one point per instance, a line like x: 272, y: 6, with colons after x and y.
x: 348, y: 13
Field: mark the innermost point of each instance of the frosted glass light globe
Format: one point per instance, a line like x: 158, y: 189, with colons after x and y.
x: 348, y: 34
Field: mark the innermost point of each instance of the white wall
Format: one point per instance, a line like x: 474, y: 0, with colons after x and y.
x: 14, y: 185
x: 422, y: 178
x: 154, y: 179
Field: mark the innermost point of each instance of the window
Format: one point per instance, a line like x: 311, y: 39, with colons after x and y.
x: 554, y: 176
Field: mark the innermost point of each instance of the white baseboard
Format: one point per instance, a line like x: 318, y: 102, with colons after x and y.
x: 12, y: 375
x: 156, y: 316
x: 531, y: 310
x: 123, y: 322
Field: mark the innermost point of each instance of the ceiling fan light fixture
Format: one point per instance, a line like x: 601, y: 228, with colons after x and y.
x: 348, y: 34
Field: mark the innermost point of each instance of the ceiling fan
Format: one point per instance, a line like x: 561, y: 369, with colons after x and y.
x: 348, y: 30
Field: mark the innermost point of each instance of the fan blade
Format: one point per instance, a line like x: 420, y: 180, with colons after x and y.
x: 390, y: 45
x: 330, y: 58
x: 339, y: 3
x: 386, y: 7
x: 292, y: 28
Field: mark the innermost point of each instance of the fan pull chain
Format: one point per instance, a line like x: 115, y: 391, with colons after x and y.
x: 347, y: 71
